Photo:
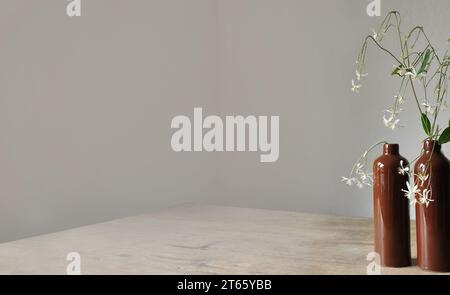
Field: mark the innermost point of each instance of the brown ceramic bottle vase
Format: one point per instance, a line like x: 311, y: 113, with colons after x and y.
x: 433, y: 221
x: 391, y: 209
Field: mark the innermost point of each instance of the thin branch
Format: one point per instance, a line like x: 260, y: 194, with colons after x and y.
x: 384, y: 49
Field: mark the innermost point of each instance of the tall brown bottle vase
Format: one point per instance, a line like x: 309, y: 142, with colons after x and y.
x: 391, y: 209
x: 433, y: 217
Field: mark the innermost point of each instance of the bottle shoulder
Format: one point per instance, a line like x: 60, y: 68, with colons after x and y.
x: 436, y: 159
x: 390, y: 160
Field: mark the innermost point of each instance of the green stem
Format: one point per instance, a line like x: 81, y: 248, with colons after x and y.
x: 415, y: 95
x: 384, y: 49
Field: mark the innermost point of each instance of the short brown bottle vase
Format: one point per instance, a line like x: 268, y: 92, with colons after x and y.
x: 391, y: 209
x: 433, y: 220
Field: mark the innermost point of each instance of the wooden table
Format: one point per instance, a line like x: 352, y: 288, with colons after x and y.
x: 196, y: 239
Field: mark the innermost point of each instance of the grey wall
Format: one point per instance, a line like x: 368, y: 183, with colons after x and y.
x: 296, y: 59
x: 86, y: 104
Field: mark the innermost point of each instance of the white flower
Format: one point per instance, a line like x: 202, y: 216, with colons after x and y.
x: 410, y: 193
x: 360, y: 76
x: 365, y: 178
x: 355, y: 87
x: 400, y: 99
x: 393, y: 111
x: 422, y: 178
x: 403, y: 170
x: 368, y: 181
x: 425, y: 198
x: 423, y: 167
x: 348, y: 181
x: 359, y: 184
x: 359, y: 168
x: 429, y: 109
x: 387, y: 122
x: 391, y: 122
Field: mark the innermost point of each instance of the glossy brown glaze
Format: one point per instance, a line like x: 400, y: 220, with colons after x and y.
x: 433, y: 222
x: 391, y: 209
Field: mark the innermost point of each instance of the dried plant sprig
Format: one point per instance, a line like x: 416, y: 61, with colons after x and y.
x: 419, y: 65
x: 360, y: 174
x: 413, y: 63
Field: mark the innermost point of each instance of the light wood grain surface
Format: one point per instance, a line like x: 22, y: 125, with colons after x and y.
x: 195, y: 239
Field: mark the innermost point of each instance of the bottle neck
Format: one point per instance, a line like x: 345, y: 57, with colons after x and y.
x: 431, y: 146
x: 391, y: 149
